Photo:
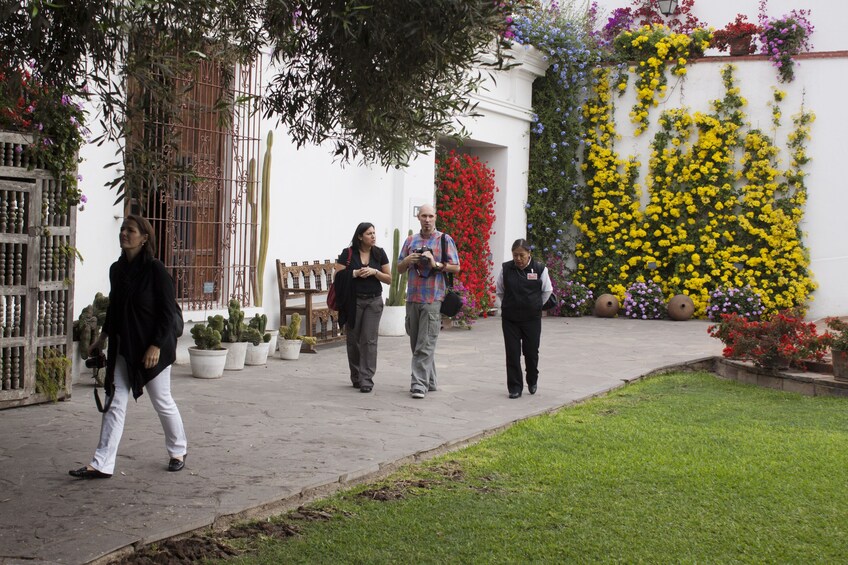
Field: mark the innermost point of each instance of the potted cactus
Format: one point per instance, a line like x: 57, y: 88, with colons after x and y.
x: 291, y: 340
x: 86, y: 329
x: 207, y: 357
x: 258, y: 340
x: 393, y: 321
x: 231, y: 337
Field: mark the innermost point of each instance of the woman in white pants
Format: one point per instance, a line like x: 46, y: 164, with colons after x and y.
x: 140, y: 326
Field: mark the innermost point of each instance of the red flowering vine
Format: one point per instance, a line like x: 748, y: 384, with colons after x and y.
x: 465, y: 200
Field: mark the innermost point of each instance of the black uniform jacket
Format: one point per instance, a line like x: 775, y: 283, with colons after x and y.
x: 141, y: 312
x: 522, y: 299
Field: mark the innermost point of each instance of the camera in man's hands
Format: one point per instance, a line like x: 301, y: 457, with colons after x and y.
x: 421, y: 250
x: 96, y: 361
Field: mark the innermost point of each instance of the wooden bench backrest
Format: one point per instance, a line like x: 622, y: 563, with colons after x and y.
x: 315, y: 275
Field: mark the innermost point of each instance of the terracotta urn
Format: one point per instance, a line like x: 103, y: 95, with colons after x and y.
x: 606, y: 306
x: 680, y: 307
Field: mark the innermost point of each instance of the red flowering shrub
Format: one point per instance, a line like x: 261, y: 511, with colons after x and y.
x: 779, y: 340
x: 465, y: 200
x: 740, y: 28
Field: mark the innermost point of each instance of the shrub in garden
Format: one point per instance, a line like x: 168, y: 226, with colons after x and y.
x: 729, y: 300
x: 575, y: 298
x: 470, y: 310
x: 779, y: 340
x: 644, y: 301
x: 837, y: 333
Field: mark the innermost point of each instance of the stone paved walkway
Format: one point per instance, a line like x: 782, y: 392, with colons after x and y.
x: 268, y: 438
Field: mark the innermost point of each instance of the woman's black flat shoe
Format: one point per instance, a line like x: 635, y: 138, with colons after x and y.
x: 86, y: 473
x: 175, y: 464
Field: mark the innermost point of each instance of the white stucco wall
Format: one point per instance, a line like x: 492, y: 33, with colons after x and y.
x: 308, y: 184
x: 316, y: 203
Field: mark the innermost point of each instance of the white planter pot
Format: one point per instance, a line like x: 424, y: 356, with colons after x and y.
x: 272, y: 345
x: 393, y: 321
x: 290, y: 348
x: 207, y: 363
x: 236, y: 353
x: 256, y: 354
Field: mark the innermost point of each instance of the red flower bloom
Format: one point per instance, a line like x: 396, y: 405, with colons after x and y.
x: 465, y: 190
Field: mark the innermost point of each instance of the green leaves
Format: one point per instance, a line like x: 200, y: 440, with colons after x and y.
x: 381, y: 80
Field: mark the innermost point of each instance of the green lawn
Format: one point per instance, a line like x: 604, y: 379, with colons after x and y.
x: 683, y: 468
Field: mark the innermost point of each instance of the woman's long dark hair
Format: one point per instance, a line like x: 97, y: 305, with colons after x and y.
x: 145, y: 228
x: 356, y: 243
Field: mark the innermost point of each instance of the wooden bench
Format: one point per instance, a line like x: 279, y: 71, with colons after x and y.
x: 303, y: 289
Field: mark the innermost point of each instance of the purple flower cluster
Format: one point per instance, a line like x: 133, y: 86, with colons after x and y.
x: 620, y: 20
x: 470, y: 310
x: 730, y: 300
x: 575, y: 299
x: 644, y: 301
x: 784, y: 37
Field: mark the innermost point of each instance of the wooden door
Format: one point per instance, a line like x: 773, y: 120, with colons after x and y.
x: 36, y: 281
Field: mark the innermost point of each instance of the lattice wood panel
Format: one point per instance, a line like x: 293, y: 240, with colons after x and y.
x: 36, y: 274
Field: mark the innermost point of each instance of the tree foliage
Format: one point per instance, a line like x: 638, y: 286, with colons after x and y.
x: 381, y: 79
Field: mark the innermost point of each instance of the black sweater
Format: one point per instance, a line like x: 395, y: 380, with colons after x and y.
x: 141, y: 312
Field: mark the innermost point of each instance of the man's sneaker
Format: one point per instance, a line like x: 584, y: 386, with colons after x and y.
x: 417, y: 394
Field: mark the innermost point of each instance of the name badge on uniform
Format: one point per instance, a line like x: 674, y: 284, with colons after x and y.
x: 532, y: 276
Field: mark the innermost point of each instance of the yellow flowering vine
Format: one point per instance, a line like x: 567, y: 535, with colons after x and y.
x: 651, y: 49
x: 713, y: 219
x: 610, y: 221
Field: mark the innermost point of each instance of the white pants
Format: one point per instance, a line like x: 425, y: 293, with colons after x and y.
x: 112, y: 425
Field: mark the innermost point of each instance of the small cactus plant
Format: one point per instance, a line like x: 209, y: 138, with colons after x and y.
x: 292, y: 331
x: 397, y: 288
x: 234, y: 325
x: 208, y: 336
x: 87, y: 327
x: 251, y: 335
x: 260, y: 322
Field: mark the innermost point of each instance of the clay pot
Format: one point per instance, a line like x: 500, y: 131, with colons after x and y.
x: 680, y: 307
x: 606, y: 306
x: 740, y: 46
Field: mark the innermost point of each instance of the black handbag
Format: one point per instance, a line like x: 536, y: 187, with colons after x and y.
x: 333, y: 302
x: 452, y: 302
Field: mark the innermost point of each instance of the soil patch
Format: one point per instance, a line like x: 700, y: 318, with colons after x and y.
x: 214, y: 545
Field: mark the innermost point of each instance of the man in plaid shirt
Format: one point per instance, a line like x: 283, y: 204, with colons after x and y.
x: 421, y: 256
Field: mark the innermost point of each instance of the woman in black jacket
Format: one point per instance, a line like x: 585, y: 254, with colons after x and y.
x: 142, y: 346
x: 361, y: 269
x: 523, y: 286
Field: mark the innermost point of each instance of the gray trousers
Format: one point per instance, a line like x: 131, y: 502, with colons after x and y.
x: 362, y: 341
x: 423, y: 323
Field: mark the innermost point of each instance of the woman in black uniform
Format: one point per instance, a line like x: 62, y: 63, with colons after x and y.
x: 523, y: 286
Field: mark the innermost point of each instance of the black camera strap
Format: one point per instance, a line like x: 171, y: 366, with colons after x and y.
x: 448, y: 276
x: 100, y: 408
